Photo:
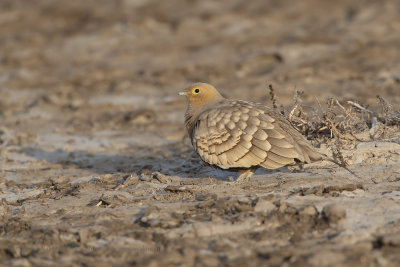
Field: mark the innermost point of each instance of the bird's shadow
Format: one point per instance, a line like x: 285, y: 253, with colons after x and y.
x: 182, y: 162
x: 99, y: 163
x: 183, y: 165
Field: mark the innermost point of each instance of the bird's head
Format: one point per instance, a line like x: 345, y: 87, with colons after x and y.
x: 201, y: 94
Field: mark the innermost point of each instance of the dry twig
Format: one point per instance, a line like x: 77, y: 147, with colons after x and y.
x: 273, y: 96
x: 275, y: 101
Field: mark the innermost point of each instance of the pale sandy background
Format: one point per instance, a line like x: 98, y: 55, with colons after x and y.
x: 89, y: 112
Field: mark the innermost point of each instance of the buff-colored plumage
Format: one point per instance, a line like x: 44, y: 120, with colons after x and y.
x: 243, y: 135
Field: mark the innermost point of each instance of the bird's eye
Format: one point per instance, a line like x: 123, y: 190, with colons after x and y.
x: 197, y: 90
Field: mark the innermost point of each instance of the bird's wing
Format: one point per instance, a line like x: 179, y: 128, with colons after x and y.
x: 239, y: 134
x: 306, y: 152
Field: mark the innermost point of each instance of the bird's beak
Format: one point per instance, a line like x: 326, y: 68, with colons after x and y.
x: 182, y: 93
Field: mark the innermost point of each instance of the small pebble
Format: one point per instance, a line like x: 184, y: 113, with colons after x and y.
x: 160, y: 177
x: 308, y: 211
x: 333, y: 213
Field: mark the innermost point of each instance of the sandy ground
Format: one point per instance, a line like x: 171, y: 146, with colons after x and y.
x: 96, y: 168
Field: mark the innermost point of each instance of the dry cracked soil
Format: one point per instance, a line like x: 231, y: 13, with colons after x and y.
x: 96, y: 166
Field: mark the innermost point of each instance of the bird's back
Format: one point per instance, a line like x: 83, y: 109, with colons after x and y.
x: 240, y: 134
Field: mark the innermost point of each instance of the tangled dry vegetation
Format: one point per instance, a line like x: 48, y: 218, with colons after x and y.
x: 340, y: 125
x: 352, y: 121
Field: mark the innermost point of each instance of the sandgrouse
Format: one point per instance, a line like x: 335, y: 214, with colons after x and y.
x: 241, y: 135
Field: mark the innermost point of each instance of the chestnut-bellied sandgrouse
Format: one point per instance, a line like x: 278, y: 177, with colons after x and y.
x: 241, y: 135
